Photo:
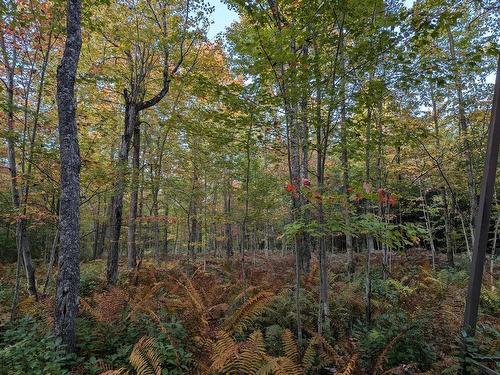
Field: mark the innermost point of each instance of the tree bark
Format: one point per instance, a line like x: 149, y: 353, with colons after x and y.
x: 428, y: 225
x: 227, y: 218
x: 345, y: 178
x: 464, y: 130
x: 68, y: 278
x: 97, y: 229
x: 447, y: 224
x: 115, y: 222
x: 134, y: 182
x: 166, y: 232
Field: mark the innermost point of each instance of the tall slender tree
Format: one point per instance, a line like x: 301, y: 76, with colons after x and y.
x: 68, y: 278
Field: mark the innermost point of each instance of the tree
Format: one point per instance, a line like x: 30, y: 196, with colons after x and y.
x: 68, y: 277
x: 9, y: 44
x: 176, y: 43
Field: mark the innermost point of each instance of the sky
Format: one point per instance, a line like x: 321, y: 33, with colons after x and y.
x: 222, y: 17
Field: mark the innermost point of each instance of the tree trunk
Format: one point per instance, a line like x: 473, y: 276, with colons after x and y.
x: 103, y: 230
x: 68, y: 278
x: 134, y: 182
x: 97, y: 227
x: 156, y: 226
x: 115, y: 222
x: 464, y: 130
x: 493, y: 251
x: 369, y: 237
x: 228, y: 226
x: 428, y: 225
x: 447, y: 224
x: 166, y: 232
x: 345, y: 180
x: 194, y: 237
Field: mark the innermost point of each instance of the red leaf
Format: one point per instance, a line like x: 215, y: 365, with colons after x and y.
x: 381, y: 195
x: 392, y: 200
x: 290, y: 188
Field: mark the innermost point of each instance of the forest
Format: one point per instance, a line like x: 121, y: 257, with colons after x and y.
x: 301, y: 192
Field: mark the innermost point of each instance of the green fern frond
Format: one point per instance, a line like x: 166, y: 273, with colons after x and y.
x: 310, y: 354
x: 379, y: 363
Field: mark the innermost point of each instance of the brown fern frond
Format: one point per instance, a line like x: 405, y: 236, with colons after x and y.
x: 351, y: 366
x: 86, y: 307
x: 279, y: 366
x: 224, y: 350
x: 239, y: 320
x: 194, y: 296
x: 109, y: 305
x: 145, y: 358
x: 252, y: 354
x: 120, y: 371
x: 290, y: 346
x: 145, y: 299
x: 405, y: 369
x: 312, y: 275
x: 256, y: 342
x: 104, y: 366
x: 326, y: 351
x: 245, y: 292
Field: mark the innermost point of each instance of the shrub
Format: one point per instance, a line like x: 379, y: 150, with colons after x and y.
x: 91, y: 279
x: 392, y: 340
x: 28, y: 350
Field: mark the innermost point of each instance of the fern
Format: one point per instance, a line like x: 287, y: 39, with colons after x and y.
x: 279, y: 366
x: 86, y: 307
x: 224, y: 350
x: 120, y: 371
x: 145, y: 358
x: 290, y: 346
x: 247, y: 312
x: 379, y: 363
x: 310, y: 353
x: 351, y: 366
x: 253, y: 354
x: 194, y: 296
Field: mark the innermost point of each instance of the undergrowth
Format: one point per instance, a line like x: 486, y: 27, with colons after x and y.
x: 182, y: 318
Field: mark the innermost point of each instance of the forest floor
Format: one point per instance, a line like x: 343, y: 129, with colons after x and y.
x: 218, y: 316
